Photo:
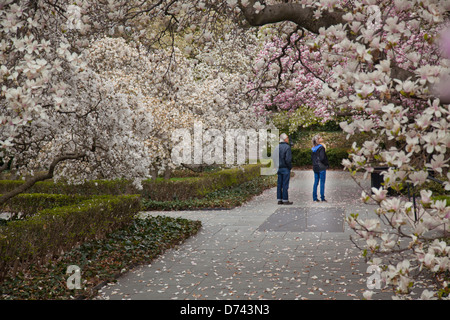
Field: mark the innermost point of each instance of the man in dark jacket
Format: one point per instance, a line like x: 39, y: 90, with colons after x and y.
x: 320, y: 165
x: 284, y: 169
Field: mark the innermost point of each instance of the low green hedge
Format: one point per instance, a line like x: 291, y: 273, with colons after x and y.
x: 52, y: 231
x: 28, y: 204
x: 198, y: 187
x: 302, y: 157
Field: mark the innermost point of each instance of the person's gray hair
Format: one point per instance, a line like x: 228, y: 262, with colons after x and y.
x: 283, y: 137
x: 315, y: 139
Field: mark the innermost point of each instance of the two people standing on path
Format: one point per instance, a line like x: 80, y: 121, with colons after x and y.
x: 284, y: 164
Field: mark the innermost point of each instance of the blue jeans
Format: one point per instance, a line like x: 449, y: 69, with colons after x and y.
x: 284, y: 175
x: 319, y: 177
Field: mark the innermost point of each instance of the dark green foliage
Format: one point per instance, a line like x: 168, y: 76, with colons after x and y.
x: 441, y: 198
x: 51, y: 231
x: 197, y: 187
x: 302, y: 157
x: 27, y: 204
x: 100, y: 260
x: 335, y: 157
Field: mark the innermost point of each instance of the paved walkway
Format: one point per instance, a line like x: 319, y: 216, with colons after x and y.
x: 262, y: 251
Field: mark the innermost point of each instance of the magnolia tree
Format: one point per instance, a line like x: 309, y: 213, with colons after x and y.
x: 202, y: 88
x: 138, y: 73
x: 59, y: 117
x: 77, y: 105
x: 217, y: 94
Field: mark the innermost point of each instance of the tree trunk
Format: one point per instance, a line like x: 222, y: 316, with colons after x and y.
x: 154, y: 173
x: 294, y: 12
x: 167, y: 174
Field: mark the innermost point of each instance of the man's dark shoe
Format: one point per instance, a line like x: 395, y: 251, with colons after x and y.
x: 316, y: 201
x: 324, y: 200
x: 287, y: 202
x: 280, y: 202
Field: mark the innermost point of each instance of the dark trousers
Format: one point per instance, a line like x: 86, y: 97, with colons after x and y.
x: 319, y: 177
x: 284, y: 175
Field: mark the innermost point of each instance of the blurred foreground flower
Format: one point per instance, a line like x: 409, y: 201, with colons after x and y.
x: 443, y: 89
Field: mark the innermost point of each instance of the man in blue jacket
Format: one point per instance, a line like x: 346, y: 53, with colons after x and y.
x: 320, y: 165
x: 284, y: 169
